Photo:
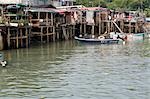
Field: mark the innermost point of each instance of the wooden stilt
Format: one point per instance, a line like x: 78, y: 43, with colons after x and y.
x: 41, y: 34
x: 26, y: 33
x: 130, y: 27
x: 8, y: 38
x: 108, y: 31
x: 47, y: 31
x: 21, y: 40
x: 81, y: 28
x: 100, y: 30
x: 54, y: 33
x: 102, y: 27
x: 92, y: 30
x: 17, y: 40
x: 73, y: 30
x: 122, y: 25
x: 136, y: 27
x: 84, y: 28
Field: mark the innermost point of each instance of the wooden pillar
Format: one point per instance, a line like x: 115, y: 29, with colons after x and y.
x: 100, y: 21
x: 57, y: 34
x: 129, y: 27
x: 21, y: 39
x: 102, y: 27
x: 8, y: 38
x: 52, y: 24
x: 81, y: 28
x: 17, y: 40
x: 122, y: 25
x: 112, y: 27
x: 67, y: 31
x: 92, y: 30
x: 52, y: 19
x: 47, y: 23
x: 1, y: 42
x: 73, y: 30
x: 47, y: 31
x: 28, y: 36
x: 84, y: 28
x: 26, y: 33
x: 53, y: 33
x: 38, y: 15
x: 41, y: 34
x: 136, y: 27
x: 108, y: 27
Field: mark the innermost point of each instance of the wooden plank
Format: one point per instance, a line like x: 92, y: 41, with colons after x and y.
x: 23, y: 37
x: 117, y: 26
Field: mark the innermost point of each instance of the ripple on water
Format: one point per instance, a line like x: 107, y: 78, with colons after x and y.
x: 72, y: 71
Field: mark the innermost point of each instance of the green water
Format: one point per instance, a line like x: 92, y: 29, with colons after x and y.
x: 71, y: 70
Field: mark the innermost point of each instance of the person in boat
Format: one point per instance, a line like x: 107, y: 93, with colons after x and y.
x: 118, y: 37
x: 115, y: 36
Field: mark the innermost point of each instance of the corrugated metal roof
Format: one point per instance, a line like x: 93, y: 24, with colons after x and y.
x: 51, y: 10
x: 94, y: 9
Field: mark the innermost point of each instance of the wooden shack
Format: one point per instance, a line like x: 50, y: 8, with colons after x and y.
x: 101, y: 21
x: 17, y: 29
x: 42, y: 21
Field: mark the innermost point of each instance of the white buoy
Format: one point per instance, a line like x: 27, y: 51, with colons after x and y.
x: 3, y: 63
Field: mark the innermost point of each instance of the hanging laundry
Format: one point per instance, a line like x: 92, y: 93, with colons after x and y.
x: 79, y: 16
x: 89, y: 17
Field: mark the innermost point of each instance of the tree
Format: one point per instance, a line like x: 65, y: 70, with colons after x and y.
x: 118, y: 4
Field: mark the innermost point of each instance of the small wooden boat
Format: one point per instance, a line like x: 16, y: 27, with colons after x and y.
x: 96, y: 40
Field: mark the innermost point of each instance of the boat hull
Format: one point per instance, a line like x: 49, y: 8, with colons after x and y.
x: 98, y: 41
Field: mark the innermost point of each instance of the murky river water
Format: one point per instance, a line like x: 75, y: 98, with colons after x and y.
x: 69, y: 70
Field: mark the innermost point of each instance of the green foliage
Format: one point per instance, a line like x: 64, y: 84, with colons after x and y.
x: 118, y: 4
x: 147, y: 12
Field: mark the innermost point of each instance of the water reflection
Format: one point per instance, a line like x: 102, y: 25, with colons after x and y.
x: 68, y: 70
